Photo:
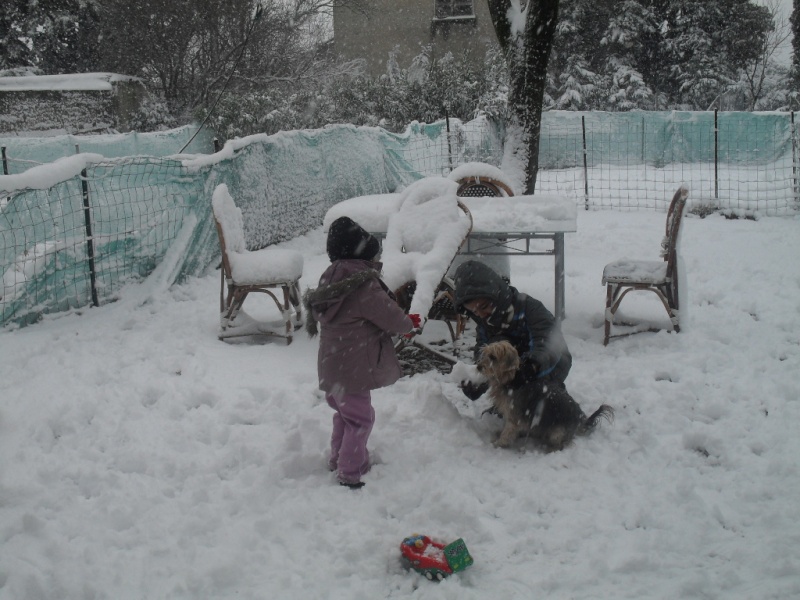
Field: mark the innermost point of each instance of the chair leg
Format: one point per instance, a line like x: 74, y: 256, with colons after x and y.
x: 294, y: 296
x: 286, y: 313
x: 608, y: 315
x: 614, y: 295
x: 221, y: 290
x: 235, y: 301
x: 453, y: 331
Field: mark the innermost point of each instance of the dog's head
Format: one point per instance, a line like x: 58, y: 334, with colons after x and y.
x: 499, y: 361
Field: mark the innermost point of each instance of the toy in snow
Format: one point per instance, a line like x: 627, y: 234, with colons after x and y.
x: 433, y: 559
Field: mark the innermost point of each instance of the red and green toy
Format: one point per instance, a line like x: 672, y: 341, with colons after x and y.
x: 433, y: 559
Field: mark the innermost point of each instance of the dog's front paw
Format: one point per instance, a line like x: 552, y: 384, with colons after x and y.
x: 503, y: 441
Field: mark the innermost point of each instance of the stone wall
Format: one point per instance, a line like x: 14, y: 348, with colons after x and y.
x: 70, y: 110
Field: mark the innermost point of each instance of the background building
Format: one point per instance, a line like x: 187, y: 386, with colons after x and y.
x: 457, y: 26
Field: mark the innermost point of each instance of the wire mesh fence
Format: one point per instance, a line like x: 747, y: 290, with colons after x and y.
x: 79, y: 241
x: 739, y: 162
x: 438, y: 148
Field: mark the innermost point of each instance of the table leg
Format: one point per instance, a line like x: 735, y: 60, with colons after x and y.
x: 558, y: 247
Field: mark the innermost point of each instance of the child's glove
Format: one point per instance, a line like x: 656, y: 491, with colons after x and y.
x: 415, y: 321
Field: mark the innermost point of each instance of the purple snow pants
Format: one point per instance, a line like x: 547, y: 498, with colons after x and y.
x: 352, y: 424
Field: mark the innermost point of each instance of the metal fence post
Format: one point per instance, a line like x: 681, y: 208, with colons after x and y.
x: 794, y: 161
x: 585, y: 167
x: 644, y: 143
x: 449, y: 146
x: 716, y: 156
x: 87, y: 220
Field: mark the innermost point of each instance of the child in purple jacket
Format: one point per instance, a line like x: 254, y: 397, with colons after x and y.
x: 357, y: 315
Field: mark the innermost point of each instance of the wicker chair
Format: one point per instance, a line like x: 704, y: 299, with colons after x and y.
x: 271, y: 271
x: 657, y: 276
x: 479, y: 187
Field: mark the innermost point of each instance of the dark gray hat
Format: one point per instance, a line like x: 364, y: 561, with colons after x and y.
x: 347, y: 239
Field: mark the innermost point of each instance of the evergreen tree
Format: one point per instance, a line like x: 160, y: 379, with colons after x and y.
x: 653, y: 53
x: 707, y: 43
x: 66, y: 35
x: 55, y: 36
x: 15, y: 50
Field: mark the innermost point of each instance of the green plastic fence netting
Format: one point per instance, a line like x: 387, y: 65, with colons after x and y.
x: 82, y: 237
x: 68, y: 240
x: 23, y: 152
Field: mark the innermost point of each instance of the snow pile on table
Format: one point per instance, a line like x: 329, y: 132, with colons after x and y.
x: 423, y: 238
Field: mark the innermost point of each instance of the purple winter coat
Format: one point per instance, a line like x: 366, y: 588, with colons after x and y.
x: 357, y: 318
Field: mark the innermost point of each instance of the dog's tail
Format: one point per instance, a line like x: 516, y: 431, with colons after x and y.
x: 604, y: 412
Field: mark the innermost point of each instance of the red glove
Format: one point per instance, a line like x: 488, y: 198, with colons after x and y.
x: 416, y: 322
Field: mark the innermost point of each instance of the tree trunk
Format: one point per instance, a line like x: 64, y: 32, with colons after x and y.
x: 526, y: 38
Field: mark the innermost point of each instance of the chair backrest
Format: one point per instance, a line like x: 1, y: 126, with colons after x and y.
x: 669, y: 246
x: 480, y: 187
x: 229, y: 223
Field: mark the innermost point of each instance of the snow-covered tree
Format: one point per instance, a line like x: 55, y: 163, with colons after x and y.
x: 763, y: 81
x: 56, y: 36
x: 707, y: 42
x: 15, y: 50
x: 795, y: 26
x: 192, y: 49
x: 525, y: 31
x: 655, y: 54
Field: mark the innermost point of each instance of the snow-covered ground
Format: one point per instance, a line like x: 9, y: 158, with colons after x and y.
x: 144, y: 458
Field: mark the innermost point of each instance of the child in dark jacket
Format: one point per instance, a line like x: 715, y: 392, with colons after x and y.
x: 503, y: 313
x: 357, y: 315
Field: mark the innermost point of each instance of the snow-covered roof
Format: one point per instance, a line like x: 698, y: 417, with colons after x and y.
x: 67, y: 82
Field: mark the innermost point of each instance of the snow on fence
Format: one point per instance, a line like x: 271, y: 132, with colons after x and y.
x: 75, y: 231
x: 20, y: 153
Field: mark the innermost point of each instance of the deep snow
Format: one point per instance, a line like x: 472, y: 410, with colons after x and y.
x: 144, y: 458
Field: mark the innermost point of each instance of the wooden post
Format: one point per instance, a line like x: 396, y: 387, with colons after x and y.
x: 5, y: 162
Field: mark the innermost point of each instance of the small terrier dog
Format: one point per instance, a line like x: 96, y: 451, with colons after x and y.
x: 543, y: 410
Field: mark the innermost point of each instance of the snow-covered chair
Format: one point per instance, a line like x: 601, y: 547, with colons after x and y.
x: 661, y: 277
x: 482, y: 180
x: 270, y: 270
x: 478, y: 180
x: 422, y: 239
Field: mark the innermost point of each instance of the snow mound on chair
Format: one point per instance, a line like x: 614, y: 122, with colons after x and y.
x: 423, y: 237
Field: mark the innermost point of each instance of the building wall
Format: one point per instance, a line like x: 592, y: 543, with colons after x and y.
x: 408, y: 25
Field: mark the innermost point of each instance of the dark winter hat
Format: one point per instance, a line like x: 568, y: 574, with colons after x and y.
x: 474, y: 279
x: 347, y: 239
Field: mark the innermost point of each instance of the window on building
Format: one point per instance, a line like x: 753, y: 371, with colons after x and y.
x: 454, y: 9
